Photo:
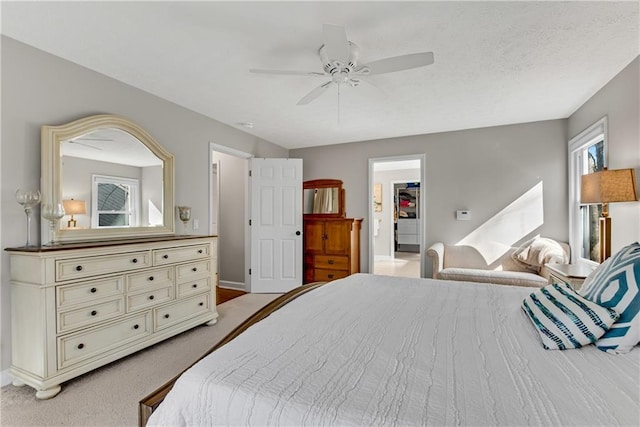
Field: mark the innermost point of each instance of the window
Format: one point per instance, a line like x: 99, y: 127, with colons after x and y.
x: 114, y: 201
x: 587, y: 154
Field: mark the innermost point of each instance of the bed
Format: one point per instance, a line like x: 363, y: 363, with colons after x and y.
x: 376, y: 350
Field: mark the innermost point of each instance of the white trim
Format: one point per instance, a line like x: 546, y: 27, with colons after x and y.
x: 5, y: 378
x: 577, y: 143
x: 232, y: 285
x: 422, y: 207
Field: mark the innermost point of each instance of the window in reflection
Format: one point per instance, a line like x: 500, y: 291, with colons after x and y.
x: 115, y: 202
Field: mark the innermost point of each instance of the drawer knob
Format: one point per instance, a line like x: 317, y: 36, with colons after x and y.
x: 201, y: 304
x: 165, y: 256
x: 330, y: 276
x: 93, y: 313
x: 194, y: 269
x: 151, y: 278
x: 195, y: 285
x: 80, y: 346
x: 136, y: 326
x: 199, y: 251
x: 78, y: 268
x: 135, y: 260
x: 330, y: 261
x: 151, y: 297
x: 94, y: 290
x: 166, y: 316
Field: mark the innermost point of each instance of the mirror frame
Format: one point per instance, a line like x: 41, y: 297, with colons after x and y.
x: 326, y: 183
x: 51, y: 139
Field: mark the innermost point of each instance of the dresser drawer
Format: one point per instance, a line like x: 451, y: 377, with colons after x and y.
x: 149, y: 298
x: 76, y: 348
x: 324, y: 275
x: 90, y: 315
x: 69, y: 295
x: 77, y: 268
x: 157, y: 277
x: 181, y: 254
x: 172, y: 314
x: 185, y: 272
x: 332, y: 262
x: 193, y: 287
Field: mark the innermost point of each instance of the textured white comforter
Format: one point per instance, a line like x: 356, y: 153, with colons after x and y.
x: 375, y: 350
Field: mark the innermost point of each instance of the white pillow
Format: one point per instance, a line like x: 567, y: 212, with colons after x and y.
x: 535, y: 253
x: 564, y: 319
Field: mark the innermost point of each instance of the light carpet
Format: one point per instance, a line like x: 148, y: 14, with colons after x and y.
x: 109, y: 395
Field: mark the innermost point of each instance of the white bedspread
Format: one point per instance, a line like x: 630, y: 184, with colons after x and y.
x: 374, y: 350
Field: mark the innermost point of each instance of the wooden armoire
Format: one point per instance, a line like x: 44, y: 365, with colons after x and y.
x: 331, y: 241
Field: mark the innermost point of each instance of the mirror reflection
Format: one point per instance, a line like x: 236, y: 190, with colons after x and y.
x: 321, y: 200
x: 113, y: 179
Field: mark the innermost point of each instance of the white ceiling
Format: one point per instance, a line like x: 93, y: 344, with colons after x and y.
x: 496, y: 63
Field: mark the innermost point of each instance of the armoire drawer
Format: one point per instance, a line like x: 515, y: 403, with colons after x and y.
x: 150, y: 298
x: 180, y: 254
x: 332, y: 262
x: 79, y: 347
x: 90, y: 315
x: 68, y: 295
x: 171, y: 314
x: 77, y: 268
x: 324, y: 275
x: 157, y: 277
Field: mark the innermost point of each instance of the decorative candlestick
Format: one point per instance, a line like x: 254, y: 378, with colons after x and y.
x: 28, y: 199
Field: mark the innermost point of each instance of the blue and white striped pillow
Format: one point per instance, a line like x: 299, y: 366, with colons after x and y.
x: 616, y: 284
x: 565, y: 319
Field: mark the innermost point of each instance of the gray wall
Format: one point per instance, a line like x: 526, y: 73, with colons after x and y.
x: 41, y: 89
x: 619, y: 100
x: 482, y: 170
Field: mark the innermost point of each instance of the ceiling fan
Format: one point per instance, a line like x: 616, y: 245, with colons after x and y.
x: 339, y: 59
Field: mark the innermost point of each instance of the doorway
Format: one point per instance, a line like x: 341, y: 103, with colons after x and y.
x: 396, y: 216
x: 228, y: 213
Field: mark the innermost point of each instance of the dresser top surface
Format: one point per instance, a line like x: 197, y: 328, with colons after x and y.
x: 103, y: 243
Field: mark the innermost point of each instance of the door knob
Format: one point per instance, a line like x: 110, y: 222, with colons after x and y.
x: 298, y: 233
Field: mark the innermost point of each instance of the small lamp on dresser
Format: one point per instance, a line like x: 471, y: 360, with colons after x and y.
x: 604, y: 187
x: 74, y: 207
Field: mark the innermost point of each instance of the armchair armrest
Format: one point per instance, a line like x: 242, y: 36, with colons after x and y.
x: 436, y: 251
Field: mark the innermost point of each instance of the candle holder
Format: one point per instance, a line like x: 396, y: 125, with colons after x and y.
x: 28, y: 199
x: 53, y: 213
x: 184, y: 212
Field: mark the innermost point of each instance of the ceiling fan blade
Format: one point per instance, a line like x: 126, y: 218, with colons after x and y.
x: 314, y: 93
x: 336, y: 43
x: 398, y: 63
x: 289, y: 73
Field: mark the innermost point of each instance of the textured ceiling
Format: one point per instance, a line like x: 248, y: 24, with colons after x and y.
x: 496, y: 63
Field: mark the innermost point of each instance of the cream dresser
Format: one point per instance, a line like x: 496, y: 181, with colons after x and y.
x: 78, y: 306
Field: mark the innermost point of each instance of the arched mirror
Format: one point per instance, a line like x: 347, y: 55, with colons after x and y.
x: 323, y: 198
x: 113, y: 179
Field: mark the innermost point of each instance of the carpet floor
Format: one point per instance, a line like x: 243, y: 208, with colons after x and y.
x: 109, y: 396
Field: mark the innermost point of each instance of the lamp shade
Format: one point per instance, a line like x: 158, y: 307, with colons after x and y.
x: 608, y: 186
x: 74, y: 207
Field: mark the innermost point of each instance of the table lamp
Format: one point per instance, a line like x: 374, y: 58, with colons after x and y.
x: 604, y: 187
x: 74, y: 207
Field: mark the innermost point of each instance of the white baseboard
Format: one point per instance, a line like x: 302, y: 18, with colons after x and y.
x: 5, y: 378
x: 238, y: 286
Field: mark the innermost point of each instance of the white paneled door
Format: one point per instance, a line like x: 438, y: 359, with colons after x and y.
x: 276, y: 225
